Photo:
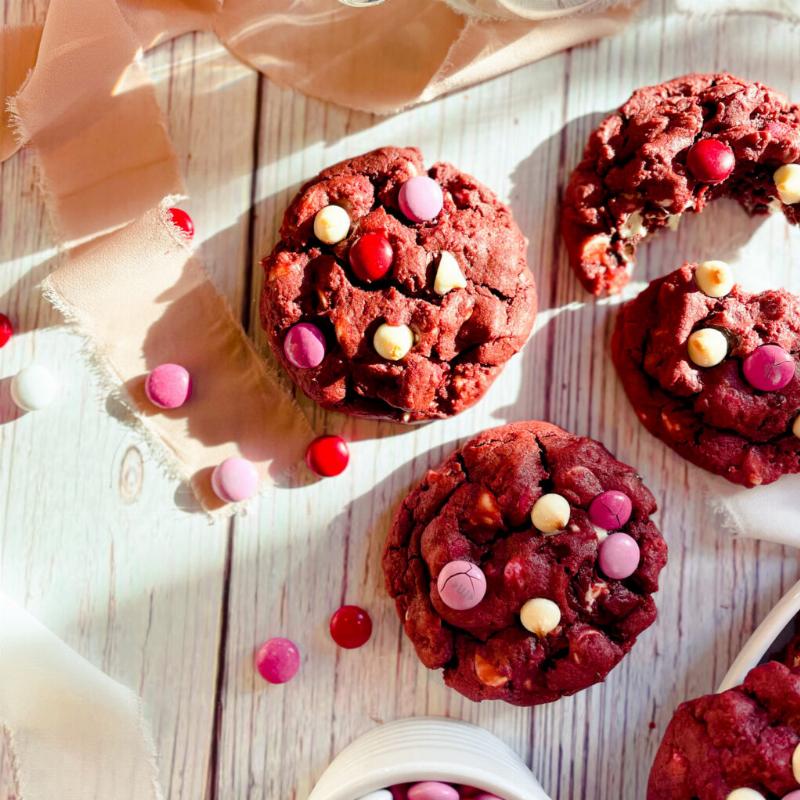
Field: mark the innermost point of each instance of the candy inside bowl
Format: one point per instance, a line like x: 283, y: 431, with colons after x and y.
x: 410, y: 751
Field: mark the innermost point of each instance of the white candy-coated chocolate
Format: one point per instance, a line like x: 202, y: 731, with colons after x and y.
x: 331, y: 224
x: 540, y: 616
x: 393, y: 342
x: 745, y: 794
x: 707, y: 347
x: 448, y: 275
x: 33, y: 388
x: 714, y: 278
x: 796, y: 763
x: 796, y: 426
x: 550, y: 513
x: 787, y: 182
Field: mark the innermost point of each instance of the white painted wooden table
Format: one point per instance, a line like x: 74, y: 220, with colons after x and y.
x: 103, y: 549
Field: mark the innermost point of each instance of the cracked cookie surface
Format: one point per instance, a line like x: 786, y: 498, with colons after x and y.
x: 461, y: 339
x: 476, y: 507
x: 634, y: 178
x: 742, y: 738
x: 712, y: 416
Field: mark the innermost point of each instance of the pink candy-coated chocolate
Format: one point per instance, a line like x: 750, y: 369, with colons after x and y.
x: 6, y: 329
x: 461, y: 585
x: 769, y: 368
x: 182, y: 220
x: 486, y: 797
x: 277, y: 660
x: 420, y: 198
x: 710, y: 160
x: 168, y: 386
x: 234, y: 480
x: 610, y: 510
x: 432, y: 790
x: 304, y: 346
x: 795, y: 795
x: 619, y: 556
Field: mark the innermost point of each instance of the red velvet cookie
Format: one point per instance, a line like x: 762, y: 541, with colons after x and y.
x: 744, y: 738
x: 694, y: 367
x: 410, y: 288
x: 670, y: 149
x: 496, y: 562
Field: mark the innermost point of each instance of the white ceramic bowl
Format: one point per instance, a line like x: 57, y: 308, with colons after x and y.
x: 427, y: 748
x: 766, y: 638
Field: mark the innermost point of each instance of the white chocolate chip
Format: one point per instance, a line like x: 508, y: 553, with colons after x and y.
x: 774, y: 206
x: 633, y: 226
x: 745, y: 794
x: 393, y: 342
x: 593, y: 592
x: 796, y: 763
x: 550, y: 513
x: 796, y: 427
x: 707, y: 347
x: 331, y: 224
x: 600, y: 533
x: 787, y: 182
x: 714, y: 278
x: 540, y: 616
x: 448, y: 275
x: 673, y: 221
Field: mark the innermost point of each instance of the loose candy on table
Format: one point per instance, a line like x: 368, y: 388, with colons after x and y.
x: 331, y: 224
x: 327, y: 456
x: 432, y: 790
x: 33, y: 388
x: 540, y: 616
x: 707, y: 347
x: 304, y: 345
x: 393, y: 342
x: 277, y: 660
x: 550, y: 513
x: 351, y: 627
x: 6, y: 330
x: 234, y: 480
x: 461, y: 585
x: 787, y: 182
x: 183, y: 221
x: 769, y: 368
x: 168, y: 386
x: 610, y: 510
x: 420, y: 198
x: 371, y: 256
x: 710, y: 160
x: 714, y: 278
x: 619, y: 556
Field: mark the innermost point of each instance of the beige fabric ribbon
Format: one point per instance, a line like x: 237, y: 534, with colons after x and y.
x: 78, y: 95
x: 73, y: 732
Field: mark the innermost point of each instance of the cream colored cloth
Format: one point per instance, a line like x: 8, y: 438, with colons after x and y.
x: 73, y: 732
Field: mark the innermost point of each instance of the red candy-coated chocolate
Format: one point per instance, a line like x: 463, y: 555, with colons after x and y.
x: 371, y: 257
x: 182, y: 220
x: 327, y: 456
x: 710, y: 160
x: 351, y: 627
x: 277, y: 660
x: 6, y: 329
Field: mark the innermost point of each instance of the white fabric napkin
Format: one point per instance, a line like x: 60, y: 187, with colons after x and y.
x: 73, y: 732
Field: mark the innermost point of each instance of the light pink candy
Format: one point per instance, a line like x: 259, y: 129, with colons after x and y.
x: 795, y: 795
x: 461, y: 585
x: 619, y: 556
x: 304, y: 346
x: 432, y: 790
x: 769, y: 368
x: 234, y: 480
x: 168, y: 386
x: 420, y: 198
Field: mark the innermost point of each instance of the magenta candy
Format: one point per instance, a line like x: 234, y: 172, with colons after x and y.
x: 619, y: 556
x: 277, y: 660
x: 420, y: 198
x: 769, y: 368
x: 304, y: 346
x: 461, y: 585
x: 234, y: 480
x: 610, y: 510
x: 432, y: 790
x: 168, y: 386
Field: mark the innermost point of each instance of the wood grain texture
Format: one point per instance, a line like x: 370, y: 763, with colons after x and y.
x: 108, y: 553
